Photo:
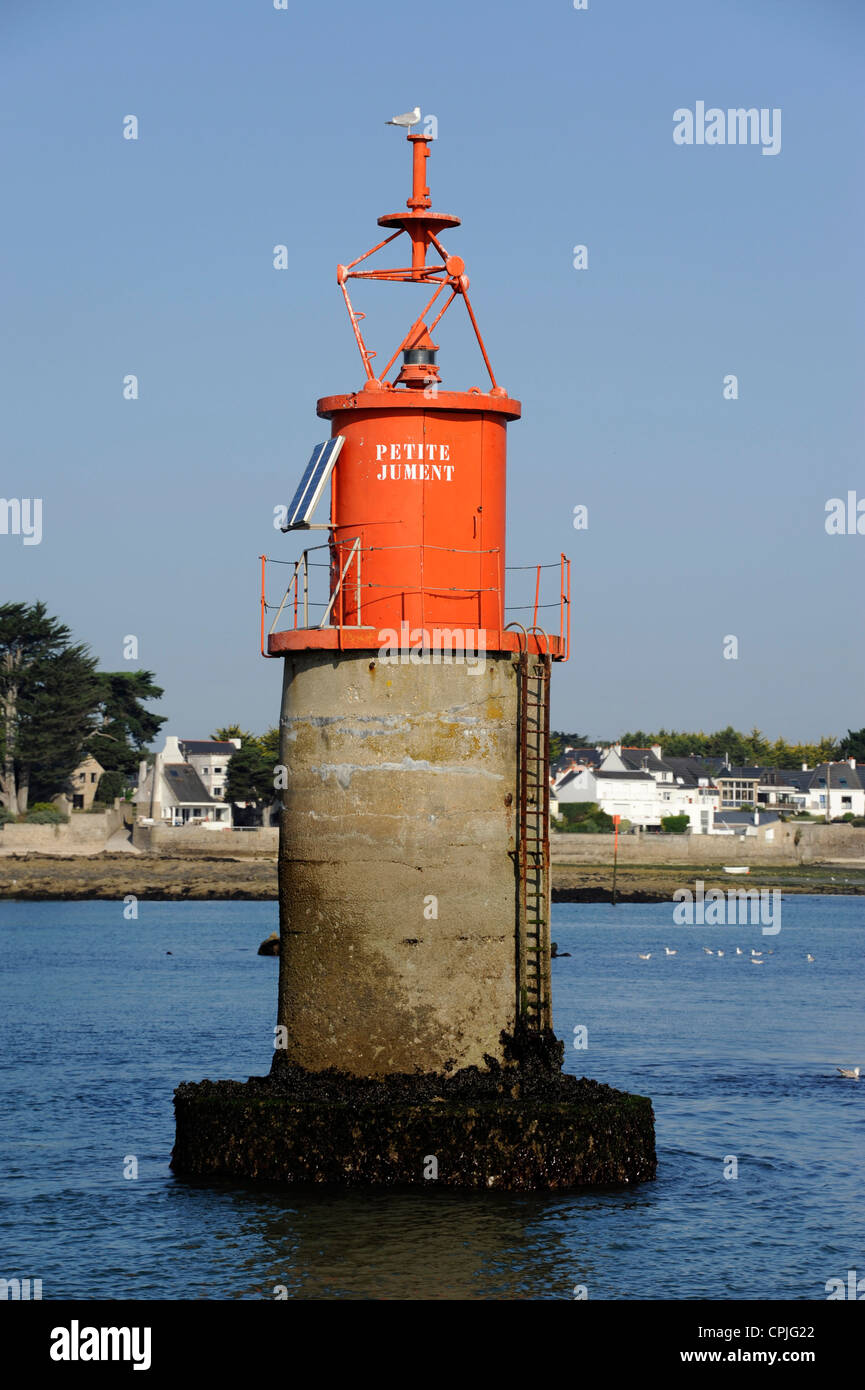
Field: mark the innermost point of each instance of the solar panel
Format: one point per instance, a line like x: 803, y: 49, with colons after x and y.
x: 312, y: 484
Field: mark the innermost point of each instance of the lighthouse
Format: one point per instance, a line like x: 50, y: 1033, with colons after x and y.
x: 414, y: 853
x: 414, y: 1016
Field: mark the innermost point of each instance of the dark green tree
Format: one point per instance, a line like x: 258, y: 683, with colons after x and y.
x: 111, y: 785
x: 853, y: 746
x: 125, y: 727
x: 250, y: 776
x: 49, y: 696
x: 560, y: 741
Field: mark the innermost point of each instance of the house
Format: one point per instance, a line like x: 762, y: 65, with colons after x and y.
x: 171, y: 792
x: 738, y: 786
x: 682, y: 786
x: 831, y: 789
x: 628, y: 794
x: 780, y: 788
x: 643, y: 795
x: 210, y: 760
x: 85, y: 782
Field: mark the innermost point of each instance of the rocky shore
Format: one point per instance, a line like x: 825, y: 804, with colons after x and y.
x: 37, y: 877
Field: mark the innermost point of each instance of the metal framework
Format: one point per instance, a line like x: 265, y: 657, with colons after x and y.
x: 420, y: 226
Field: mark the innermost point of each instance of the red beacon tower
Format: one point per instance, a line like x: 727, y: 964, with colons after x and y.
x: 414, y: 850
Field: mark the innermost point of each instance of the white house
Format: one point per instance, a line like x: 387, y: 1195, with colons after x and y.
x: 210, y: 760
x: 643, y: 787
x: 172, y: 793
x: 841, y: 785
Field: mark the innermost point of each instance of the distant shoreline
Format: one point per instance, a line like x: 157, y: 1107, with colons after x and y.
x: 151, y: 877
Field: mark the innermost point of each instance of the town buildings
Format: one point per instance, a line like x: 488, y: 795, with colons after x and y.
x: 643, y: 785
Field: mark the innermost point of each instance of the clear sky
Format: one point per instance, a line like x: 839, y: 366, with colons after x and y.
x: 260, y: 126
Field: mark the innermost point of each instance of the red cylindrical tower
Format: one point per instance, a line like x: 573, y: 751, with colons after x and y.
x: 421, y: 482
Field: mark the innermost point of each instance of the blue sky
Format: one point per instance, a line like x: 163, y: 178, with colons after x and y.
x: 258, y: 127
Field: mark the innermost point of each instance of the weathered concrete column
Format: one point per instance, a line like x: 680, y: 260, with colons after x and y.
x: 397, y: 881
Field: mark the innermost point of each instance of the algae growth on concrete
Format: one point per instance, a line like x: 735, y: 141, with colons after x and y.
x: 518, y: 1126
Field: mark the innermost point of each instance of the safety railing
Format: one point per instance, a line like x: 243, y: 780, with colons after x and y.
x: 535, y: 606
x: 344, y: 566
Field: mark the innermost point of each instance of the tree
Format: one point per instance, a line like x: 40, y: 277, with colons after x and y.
x: 675, y: 825
x: 250, y: 775
x: 49, y: 695
x: 559, y: 742
x: 853, y: 746
x: 111, y: 785
x: 125, y: 727
x: 269, y: 745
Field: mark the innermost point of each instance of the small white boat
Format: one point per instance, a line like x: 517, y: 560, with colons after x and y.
x: 744, y: 870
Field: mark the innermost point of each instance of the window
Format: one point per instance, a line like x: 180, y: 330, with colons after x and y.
x: 93, y: 776
x: 216, y: 769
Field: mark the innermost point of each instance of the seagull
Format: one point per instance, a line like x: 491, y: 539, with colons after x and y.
x: 708, y: 952
x: 755, y: 953
x: 853, y: 1072
x: 738, y: 950
x: 408, y: 118
x: 668, y: 952
x: 646, y: 957
x: 757, y: 962
x: 810, y: 957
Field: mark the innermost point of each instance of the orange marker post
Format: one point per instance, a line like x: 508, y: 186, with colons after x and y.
x: 616, y: 820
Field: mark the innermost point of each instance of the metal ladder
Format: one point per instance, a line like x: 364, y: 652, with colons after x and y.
x: 533, y: 844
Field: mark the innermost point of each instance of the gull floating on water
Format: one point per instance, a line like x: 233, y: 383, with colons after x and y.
x: 668, y: 952
x: 809, y: 957
x: 755, y: 953
x: 757, y: 962
x: 708, y: 952
x: 852, y: 1072
x: 646, y: 957
x: 720, y: 953
x: 408, y: 118
x: 738, y: 950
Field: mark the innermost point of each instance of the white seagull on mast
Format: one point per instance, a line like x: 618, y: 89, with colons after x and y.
x: 408, y: 118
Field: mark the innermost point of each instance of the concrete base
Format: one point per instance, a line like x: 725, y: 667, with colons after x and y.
x: 510, y: 1128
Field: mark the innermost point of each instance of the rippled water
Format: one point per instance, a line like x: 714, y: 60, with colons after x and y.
x: 98, y: 1024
